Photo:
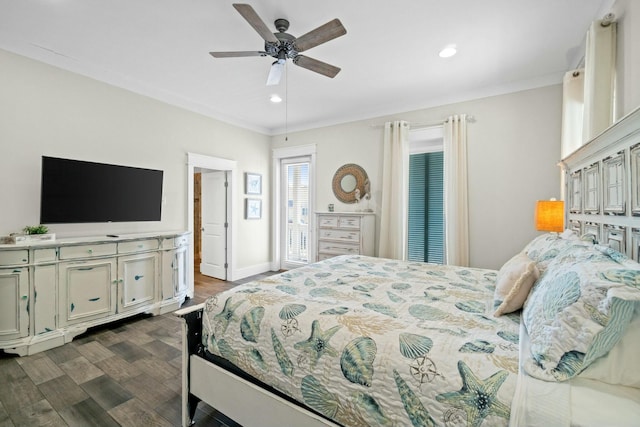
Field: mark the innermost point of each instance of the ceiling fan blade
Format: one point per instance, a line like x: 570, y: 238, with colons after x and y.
x: 322, y: 34
x: 237, y: 54
x: 250, y: 15
x: 317, y: 66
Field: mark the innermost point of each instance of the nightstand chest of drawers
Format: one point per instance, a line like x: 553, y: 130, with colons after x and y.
x: 345, y: 233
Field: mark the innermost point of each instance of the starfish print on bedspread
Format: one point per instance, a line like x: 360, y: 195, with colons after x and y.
x: 477, y: 397
x: 318, y: 343
x: 226, y: 316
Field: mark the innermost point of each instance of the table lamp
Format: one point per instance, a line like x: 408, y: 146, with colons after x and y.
x: 550, y: 215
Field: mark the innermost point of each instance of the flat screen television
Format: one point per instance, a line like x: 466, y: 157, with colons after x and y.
x: 75, y: 191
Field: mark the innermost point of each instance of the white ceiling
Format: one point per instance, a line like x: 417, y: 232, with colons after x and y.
x: 389, y: 56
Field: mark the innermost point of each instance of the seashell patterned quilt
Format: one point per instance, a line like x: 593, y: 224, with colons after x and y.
x: 374, y: 342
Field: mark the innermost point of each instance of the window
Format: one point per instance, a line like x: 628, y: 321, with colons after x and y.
x: 426, y: 197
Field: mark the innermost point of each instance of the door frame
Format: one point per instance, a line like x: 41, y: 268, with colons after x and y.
x: 203, y: 161
x: 278, y: 155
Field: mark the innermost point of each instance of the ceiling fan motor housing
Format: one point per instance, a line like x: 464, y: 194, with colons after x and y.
x: 285, y: 47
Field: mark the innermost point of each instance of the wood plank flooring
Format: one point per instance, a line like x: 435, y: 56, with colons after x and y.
x: 122, y: 374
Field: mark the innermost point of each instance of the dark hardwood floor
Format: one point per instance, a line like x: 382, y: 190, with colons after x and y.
x: 126, y: 373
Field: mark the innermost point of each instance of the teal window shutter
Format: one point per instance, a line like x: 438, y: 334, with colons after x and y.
x: 426, y: 207
x: 417, y: 206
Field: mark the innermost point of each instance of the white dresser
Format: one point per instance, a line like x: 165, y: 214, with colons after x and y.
x: 343, y: 233
x: 51, y: 291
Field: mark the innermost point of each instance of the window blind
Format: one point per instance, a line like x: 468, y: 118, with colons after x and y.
x: 426, y: 207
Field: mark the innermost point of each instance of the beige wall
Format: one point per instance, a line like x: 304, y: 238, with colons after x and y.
x: 47, y: 111
x: 513, y: 151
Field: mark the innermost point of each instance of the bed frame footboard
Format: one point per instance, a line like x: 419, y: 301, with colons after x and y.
x: 204, y: 381
x: 191, y: 344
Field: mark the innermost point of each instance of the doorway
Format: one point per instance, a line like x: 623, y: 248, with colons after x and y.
x: 295, y: 211
x: 202, y: 210
x: 298, y: 224
x: 214, y: 222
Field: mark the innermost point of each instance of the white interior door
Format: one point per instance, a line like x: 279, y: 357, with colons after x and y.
x: 214, y: 224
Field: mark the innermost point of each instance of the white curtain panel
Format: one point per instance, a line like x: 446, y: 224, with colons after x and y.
x: 599, y: 85
x: 455, y: 191
x: 572, y: 111
x: 395, y: 192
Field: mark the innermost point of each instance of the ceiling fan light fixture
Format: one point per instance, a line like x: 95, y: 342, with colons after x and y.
x: 448, y: 51
x: 275, y: 72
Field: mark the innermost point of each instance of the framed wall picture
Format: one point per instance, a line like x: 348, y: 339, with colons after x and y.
x: 253, y: 209
x: 253, y: 183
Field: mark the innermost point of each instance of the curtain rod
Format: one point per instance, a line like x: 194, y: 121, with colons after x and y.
x: 423, y: 125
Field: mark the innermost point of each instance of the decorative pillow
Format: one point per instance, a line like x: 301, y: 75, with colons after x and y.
x: 544, y: 248
x: 513, y: 283
x: 578, y: 310
x: 620, y: 365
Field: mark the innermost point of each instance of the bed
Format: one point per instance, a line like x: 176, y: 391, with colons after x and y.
x: 549, y: 339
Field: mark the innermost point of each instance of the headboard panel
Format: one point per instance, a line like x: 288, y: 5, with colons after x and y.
x: 602, y: 187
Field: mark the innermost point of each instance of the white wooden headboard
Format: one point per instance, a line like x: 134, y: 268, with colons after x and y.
x: 602, y: 187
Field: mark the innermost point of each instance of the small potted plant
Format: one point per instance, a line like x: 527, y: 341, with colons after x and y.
x: 31, y: 233
x: 36, y: 229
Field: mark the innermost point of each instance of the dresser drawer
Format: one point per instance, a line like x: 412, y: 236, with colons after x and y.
x: 168, y: 243
x: 349, y: 222
x: 45, y: 255
x: 137, y: 246
x: 328, y: 221
x: 14, y: 257
x: 342, y: 235
x: 87, y: 251
x: 338, y: 248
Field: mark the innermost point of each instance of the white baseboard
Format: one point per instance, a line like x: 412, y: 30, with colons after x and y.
x: 241, y: 273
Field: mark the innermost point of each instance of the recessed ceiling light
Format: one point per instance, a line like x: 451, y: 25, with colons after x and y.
x: 275, y: 98
x: 448, y: 51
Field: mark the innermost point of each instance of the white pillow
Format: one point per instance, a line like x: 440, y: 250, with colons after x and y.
x: 620, y: 365
x: 579, y: 310
x: 513, y: 283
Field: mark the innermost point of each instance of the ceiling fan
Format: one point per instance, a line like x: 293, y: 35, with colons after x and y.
x: 282, y: 45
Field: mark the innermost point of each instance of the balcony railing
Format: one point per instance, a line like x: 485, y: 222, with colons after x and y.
x: 297, y: 242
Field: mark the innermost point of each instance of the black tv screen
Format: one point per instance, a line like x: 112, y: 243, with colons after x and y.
x: 75, y: 191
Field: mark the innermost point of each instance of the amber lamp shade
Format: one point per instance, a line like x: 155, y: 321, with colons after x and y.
x: 550, y: 215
